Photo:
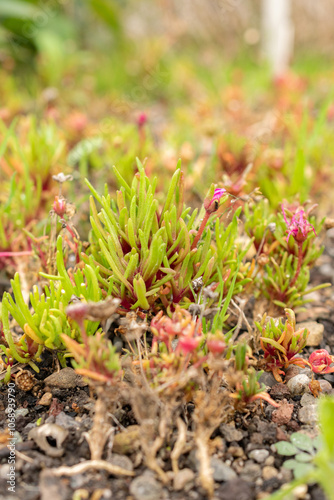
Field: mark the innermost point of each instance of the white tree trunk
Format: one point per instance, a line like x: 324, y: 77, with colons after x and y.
x: 277, y: 34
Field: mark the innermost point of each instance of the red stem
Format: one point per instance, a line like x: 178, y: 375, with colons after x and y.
x: 299, y: 264
x: 200, y: 231
x: 15, y: 254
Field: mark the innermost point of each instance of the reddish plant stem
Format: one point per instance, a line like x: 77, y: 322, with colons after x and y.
x: 15, y: 254
x: 200, y: 230
x: 299, y: 264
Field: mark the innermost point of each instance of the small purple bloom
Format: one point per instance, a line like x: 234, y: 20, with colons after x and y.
x: 212, y: 205
x: 218, y: 194
x: 299, y: 226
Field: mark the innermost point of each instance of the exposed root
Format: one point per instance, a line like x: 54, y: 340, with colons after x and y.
x: 99, y: 434
x: 91, y: 464
x: 211, y: 409
x: 179, y: 445
x: 205, y: 471
x: 151, y: 449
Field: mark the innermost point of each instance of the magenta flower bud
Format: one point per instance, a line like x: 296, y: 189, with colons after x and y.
x: 141, y: 120
x: 320, y: 361
x: 212, y: 205
x: 59, y: 206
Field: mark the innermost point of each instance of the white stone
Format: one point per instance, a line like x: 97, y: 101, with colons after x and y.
x: 298, y: 384
x: 308, y: 414
x: 259, y: 455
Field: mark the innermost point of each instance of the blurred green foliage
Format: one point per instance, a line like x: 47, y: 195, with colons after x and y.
x: 31, y: 28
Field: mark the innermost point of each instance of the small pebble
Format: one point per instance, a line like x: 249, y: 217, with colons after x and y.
x: 285, y: 475
x: 308, y: 399
x: 308, y: 414
x: 268, y: 472
x: 251, y: 471
x: 329, y: 377
x: 230, y: 433
x: 128, y: 441
x: 236, y: 451
x: 65, y: 379
x: 145, y: 487
x: 237, y: 488
x: 121, y: 461
x: 256, y: 438
x: 279, y: 391
x: 268, y: 431
x: 268, y: 379
x: 259, y: 455
x: 66, y: 421
x: 300, y: 491
x: 221, y: 471
x: 21, y: 412
x: 291, y: 372
x: 326, y: 387
x: 183, y: 478
x: 45, y: 399
x: 283, y: 414
x: 270, y: 460
x: 306, y: 371
x: 299, y: 384
x: 316, y: 334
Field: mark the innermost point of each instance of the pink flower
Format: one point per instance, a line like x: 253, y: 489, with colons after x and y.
x: 299, y: 226
x: 216, y: 343
x: 188, y: 344
x: 320, y: 361
x: 141, y: 120
x: 59, y: 206
x: 164, y: 329
x: 216, y: 346
x: 212, y: 205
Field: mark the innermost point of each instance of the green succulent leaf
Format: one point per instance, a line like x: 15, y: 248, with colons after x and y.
x: 302, y: 469
x: 303, y: 457
x: 286, y: 448
x: 302, y: 442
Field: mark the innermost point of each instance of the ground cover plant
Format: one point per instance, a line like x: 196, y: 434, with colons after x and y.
x: 165, y: 269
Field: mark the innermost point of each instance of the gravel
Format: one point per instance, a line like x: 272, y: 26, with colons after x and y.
x: 259, y: 455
